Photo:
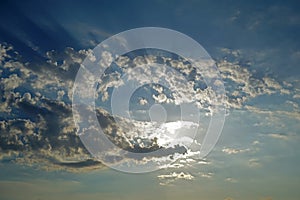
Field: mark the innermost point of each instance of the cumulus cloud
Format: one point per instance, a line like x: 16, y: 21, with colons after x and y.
x: 187, y: 84
x: 183, y: 83
x: 143, y: 101
x: 5, y: 52
x: 39, y: 129
x: 37, y: 124
x: 243, y: 85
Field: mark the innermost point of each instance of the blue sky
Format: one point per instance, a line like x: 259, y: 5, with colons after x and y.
x: 256, y: 48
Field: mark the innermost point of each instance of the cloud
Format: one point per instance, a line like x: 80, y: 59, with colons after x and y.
x: 143, y: 101
x: 174, y: 176
x: 254, y: 163
x: 5, y: 52
x: 243, y: 85
x: 256, y: 142
x: 278, y: 136
x: 181, y: 175
x: 282, y: 113
x: 37, y: 125
x: 188, y: 86
x: 38, y: 129
x: 208, y: 175
x: 235, y: 16
x: 231, y: 180
x: 234, y: 151
x: 204, y: 162
x: 296, y: 96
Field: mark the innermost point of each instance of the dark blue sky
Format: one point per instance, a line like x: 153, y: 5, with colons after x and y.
x: 48, y: 25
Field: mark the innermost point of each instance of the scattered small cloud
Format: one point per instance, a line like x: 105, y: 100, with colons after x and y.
x: 296, y: 96
x: 170, y: 178
x: 231, y: 180
x: 278, y: 136
x: 208, y: 175
x: 143, y: 101
x: 234, y: 151
x: 254, y: 163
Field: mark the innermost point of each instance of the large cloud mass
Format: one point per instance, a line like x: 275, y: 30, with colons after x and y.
x: 36, y: 122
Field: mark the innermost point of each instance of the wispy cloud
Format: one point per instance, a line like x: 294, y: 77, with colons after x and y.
x: 234, y: 151
x: 278, y: 136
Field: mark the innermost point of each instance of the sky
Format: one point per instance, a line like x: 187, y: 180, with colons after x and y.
x: 255, y: 46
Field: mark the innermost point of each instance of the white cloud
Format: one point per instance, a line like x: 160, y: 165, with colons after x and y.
x: 256, y: 142
x: 12, y: 82
x: 208, y: 175
x: 289, y: 114
x: 231, y: 180
x: 278, y: 136
x: 4, y: 52
x: 234, y: 151
x: 106, y: 59
x: 143, y: 101
x: 271, y: 83
x: 166, y: 179
x: 204, y: 162
x: 160, y: 98
x: 296, y: 96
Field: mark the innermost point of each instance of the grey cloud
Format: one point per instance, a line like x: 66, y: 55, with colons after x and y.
x: 37, y: 129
